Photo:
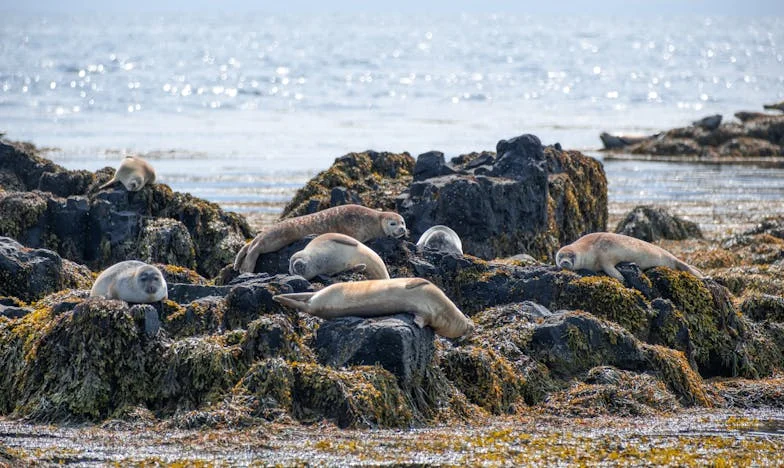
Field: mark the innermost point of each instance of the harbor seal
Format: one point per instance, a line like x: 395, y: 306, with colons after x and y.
x: 134, y: 173
x: 131, y: 281
x: 372, y: 298
x: 601, y: 251
x: 357, y: 221
x: 331, y: 253
x: 441, y: 238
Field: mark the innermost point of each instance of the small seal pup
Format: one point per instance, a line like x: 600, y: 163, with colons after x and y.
x: 356, y: 221
x: 131, y: 281
x: 601, y: 251
x: 373, y: 298
x: 134, y: 173
x: 331, y: 253
x: 441, y: 238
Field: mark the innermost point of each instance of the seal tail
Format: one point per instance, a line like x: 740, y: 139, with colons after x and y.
x: 688, y: 268
x: 108, y: 184
x: 298, y: 301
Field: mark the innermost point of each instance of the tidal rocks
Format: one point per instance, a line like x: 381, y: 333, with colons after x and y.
x: 370, y: 178
x: 99, y: 229
x: 651, y: 223
x: 394, y: 342
x: 757, y: 135
x: 30, y: 274
x: 526, y: 199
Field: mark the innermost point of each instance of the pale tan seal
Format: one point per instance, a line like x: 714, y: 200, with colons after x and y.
x: 601, y: 251
x: 332, y: 253
x: 441, y: 238
x: 356, y: 221
x: 372, y: 298
x: 134, y: 173
x: 131, y: 281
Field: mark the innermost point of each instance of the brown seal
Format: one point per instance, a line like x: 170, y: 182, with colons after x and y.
x: 601, y: 251
x: 373, y: 298
x: 131, y: 281
x: 332, y: 253
x: 134, y: 173
x: 356, y: 221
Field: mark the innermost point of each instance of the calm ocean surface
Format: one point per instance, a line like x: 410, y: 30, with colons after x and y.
x: 243, y: 109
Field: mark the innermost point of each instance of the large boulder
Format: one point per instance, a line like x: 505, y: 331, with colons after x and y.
x: 525, y: 199
x: 651, y: 223
x: 30, y: 274
x: 101, y: 228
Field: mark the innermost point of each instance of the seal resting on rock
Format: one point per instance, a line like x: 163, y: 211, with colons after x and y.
x: 373, y: 298
x: 601, y: 251
x: 331, y: 253
x: 441, y: 238
x: 356, y: 221
x: 131, y: 281
x: 134, y: 173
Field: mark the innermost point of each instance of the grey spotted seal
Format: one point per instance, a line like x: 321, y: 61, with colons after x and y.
x: 372, y: 298
x: 357, y: 221
x: 332, y: 253
x: 601, y: 251
x: 134, y: 173
x: 441, y: 238
x: 131, y: 281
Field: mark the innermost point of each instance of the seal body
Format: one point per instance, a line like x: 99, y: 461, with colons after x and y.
x: 441, y: 238
x: 601, y: 251
x: 356, y: 221
x: 373, y: 298
x: 331, y: 253
x: 134, y: 173
x: 131, y: 281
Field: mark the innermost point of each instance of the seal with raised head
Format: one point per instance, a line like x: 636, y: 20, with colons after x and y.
x: 134, y: 173
x: 357, y: 221
x: 601, y: 251
x: 441, y: 238
x: 373, y: 298
x: 131, y: 281
x: 332, y: 253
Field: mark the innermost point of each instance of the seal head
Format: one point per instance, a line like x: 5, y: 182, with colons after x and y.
x: 393, y: 224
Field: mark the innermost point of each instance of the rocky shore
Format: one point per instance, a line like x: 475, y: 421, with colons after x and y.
x: 220, y: 353
x: 753, y: 136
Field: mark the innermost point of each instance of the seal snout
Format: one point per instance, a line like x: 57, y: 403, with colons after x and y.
x: 565, y: 259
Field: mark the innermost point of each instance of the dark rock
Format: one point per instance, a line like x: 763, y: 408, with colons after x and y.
x: 253, y: 297
x: 777, y: 106
x: 167, y: 241
x: 343, y: 196
x: 278, y: 262
x: 548, y: 197
x: 745, y: 116
x: 30, y: 274
x: 202, y: 316
x: 771, y: 226
x: 147, y: 316
x: 635, y: 278
x: 394, y: 342
x: 186, y: 293
x: 710, y: 122
x: 745, y: 146
x: 612, y: 142
x: 13, y: 312
x: 431, y: 164
x: 651, y: 223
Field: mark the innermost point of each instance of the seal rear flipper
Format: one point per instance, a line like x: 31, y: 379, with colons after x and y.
x: 296, y: 301
x: 241, y: 256
x: 108, y: 184
x: 358, y: 268
x: 682, y: 266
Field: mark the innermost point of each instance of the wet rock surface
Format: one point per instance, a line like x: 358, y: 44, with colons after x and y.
x: 652, y: 223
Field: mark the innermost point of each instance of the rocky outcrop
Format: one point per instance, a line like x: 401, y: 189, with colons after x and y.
x: 757, y: 135
x: 100, y: 229
x: 526, y: 198
x: 651, y: 223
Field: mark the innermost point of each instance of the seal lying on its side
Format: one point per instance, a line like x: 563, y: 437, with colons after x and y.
x: 373, y: 298
x: 441, y: 238
x: 601, y: 251
x: 131, y: 281
x: 331, y: 253
x: 134, y: 173
x: 356, y: 221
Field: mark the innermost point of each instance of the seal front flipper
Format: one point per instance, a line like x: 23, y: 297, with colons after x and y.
x: 343, y: 240
x: 416, y: 282
x: 241, y: 256
x: 358, y: 268
x: 419, y: 320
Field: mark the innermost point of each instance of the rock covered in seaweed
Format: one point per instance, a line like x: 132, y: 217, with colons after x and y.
x: 99, y: 229
x: 652, y: 223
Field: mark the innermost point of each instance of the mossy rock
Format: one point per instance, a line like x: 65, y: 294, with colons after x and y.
x: 274, y: 336
x: 761, y: 307
x: 197, y: 371
x: 745, y: 393
x: 178, y: 274
x: 200, y: 317
x: 247, y: 302
x: 358, y: 397
x: 270, y: 381
x: 89, y: 362
x: 167, y: 241
x: 674, y: 370
x: 607, y: 298
x: 371, y: 179
x: 485, y: 377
